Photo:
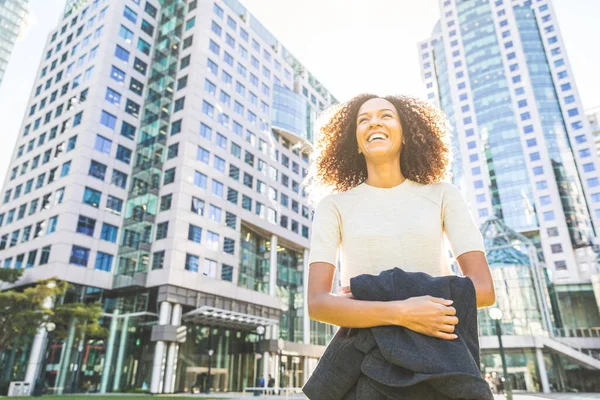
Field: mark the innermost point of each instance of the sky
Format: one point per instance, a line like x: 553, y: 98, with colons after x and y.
x: 351, y: 46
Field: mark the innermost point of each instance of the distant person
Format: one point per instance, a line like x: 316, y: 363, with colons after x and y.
x: 271, y: 384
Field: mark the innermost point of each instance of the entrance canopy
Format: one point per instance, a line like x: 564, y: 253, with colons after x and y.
x: 212, y: 316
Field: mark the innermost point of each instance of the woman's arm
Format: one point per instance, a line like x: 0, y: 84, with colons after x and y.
x: 474, y: 265
x: 428, y: 315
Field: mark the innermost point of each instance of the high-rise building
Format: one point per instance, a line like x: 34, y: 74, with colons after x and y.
x: 525, y: 161
x: 158, y: 170
x: 12, y: 15
x: 593, y: 116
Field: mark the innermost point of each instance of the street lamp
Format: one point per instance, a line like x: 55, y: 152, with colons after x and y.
x: 210, y: 354
x: 496, y: 315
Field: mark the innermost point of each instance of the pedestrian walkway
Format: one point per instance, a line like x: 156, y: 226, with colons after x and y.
x: 554, y: 396
x: 531, y: 396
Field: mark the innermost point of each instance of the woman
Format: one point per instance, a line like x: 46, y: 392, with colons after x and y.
x: 385, y: 159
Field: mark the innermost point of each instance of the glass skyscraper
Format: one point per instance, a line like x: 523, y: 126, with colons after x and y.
x: 158, y: 169
x: 525, y: 155
x: 12, y: 14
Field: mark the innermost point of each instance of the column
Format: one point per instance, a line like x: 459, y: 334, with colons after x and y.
x: 159, y: 351
x: 121, y: 354
x: 65, y: 359
x: 542, y: 369
x: 306, y: 318
x: 273, y: 265
x: 307, y: 371
x: 171, y: 365
x: 110, y: 347
x: 37, y: 349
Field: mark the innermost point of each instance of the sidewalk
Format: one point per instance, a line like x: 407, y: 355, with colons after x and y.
x: 532, y: 396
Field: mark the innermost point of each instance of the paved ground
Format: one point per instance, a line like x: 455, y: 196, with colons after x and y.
x: 533, y: 396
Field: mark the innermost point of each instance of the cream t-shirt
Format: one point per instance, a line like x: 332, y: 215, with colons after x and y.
x: 377, y: 229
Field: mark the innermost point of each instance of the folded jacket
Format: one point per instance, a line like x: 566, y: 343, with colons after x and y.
x: 393, y: 362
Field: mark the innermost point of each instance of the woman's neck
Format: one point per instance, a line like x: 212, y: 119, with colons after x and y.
x: 385, y: 175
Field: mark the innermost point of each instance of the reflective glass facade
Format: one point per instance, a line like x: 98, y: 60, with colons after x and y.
x: 290, y: 288
x: 12, y: 13
x: 554, y: 130
x: 509, y: 182
x: 254, y: 261
x: 289, y: 112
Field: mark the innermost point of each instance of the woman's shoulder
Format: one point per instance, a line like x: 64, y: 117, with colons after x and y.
x: 437, y: 192
x: 340, y: 200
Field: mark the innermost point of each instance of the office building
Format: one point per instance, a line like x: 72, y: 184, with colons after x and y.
x: 527, y: 165
x: 158, y: 170
x: 12, y: 16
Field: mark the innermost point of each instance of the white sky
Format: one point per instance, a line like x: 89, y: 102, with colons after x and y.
x: 351, y: 46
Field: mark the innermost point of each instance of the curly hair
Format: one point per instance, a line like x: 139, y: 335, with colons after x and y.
x: 425, y: 157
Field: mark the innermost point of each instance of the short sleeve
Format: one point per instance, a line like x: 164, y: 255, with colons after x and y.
x: 459, y: 226
x: 326, y: 233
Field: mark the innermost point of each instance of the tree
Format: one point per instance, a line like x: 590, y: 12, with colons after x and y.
x: 24, y: 310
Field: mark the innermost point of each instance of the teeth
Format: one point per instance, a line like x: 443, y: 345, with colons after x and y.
x: 377, y: 136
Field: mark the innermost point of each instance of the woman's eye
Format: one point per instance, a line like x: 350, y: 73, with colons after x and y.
x: 360, y: 121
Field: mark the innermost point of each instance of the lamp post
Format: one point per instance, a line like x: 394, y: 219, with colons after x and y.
x: 280, y: 345
x: 210, y: 354
x: 496, y: 315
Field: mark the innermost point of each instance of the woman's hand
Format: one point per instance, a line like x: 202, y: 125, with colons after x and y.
x: 428, y: 315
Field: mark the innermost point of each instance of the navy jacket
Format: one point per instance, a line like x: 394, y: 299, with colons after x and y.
x: 393, y: 362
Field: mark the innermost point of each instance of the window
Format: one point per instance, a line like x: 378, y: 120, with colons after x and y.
x: 556, y: 248
x: 176, y: 127
x: 124, y: 154
x: 208, y: 108
x: 202, y: 155
x: 117, y: 74
x: 91, y: 197
x: 126, y: 34
x: 86, y: 225
x: 182, y: 82
x: 109, y: 233
x: 103, y: 261
x: 588, y: 167
x: 143, y: 46
x: 122, y: 54
x: 130, y: 14
x: 79, y: 256
x: 217, y: 188
x: 197, y: 206
x: 140, y: 66
x: 169, y: 176
x: 147, y: 27
x: 136, y: 87
x: 127, y: 130
x: 113, y: 204
x: 97, y: 170
x: 108, y: 120
x: 179, y: 104
x: 194, y: 233
x: 158, y: 259
x: 102, y: 144
x: 200, y: 180
x: 132, y: 108
x: 191, y: 262
x: 161, y: 230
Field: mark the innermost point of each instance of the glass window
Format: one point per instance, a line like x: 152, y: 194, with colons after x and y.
x: 97, y: 170
x: 126, y: 34
x: 103, y: 261
x: 108, y: 120
x: 79, y: 256
x: 117, y: 74
x: 102, y: 144
x: 109, y: 233
x: 91, y: 197
x: 86, y: 225
x: 194, y: 233
x: 200, y: 180
x: 114, y: 204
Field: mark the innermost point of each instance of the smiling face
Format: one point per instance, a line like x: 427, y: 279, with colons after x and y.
x: 378, y: 129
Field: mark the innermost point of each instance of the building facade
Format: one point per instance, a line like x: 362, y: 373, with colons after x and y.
x: 593, y: 116
x: 158, y: 169
x: 525, y: 156
x: 12, y: 16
